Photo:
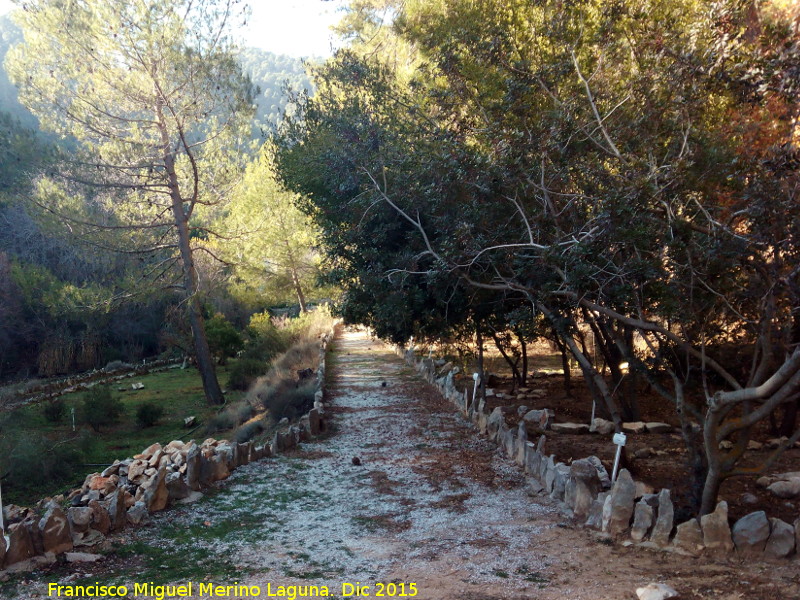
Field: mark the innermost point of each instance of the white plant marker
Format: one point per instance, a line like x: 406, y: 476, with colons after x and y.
x: 594, y: 408
x: 619, y: 439
x: 476, y: 377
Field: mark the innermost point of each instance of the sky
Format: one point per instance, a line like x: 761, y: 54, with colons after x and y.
x: 298, y: 28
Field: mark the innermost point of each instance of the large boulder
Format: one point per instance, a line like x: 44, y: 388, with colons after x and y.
x: 193, y: 467
x: 716, y: 531
x: 54, y: 529
x: 751, y: 532
x: 80, y: 517
x: 176, y: 487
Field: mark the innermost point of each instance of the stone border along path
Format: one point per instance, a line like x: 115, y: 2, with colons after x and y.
x: 430, y: 503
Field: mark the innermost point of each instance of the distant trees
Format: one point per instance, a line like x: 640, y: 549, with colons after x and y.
x: 625, y: 169
x: 156, y: 97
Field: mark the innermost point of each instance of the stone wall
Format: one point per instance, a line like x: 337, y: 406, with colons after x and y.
x: 627, y: 510
x: 127, y: 492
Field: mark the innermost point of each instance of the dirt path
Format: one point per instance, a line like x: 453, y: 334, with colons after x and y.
x: 430, y: 504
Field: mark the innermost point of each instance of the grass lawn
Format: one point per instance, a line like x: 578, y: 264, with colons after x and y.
x: 178, y: 392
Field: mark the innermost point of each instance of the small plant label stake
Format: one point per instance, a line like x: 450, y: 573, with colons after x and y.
x: 619, y: 439
x: 476, y: 378
x: 72, y: 410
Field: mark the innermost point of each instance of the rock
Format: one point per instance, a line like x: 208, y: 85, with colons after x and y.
x: 532, y: 460
x: 754, y: 445
x: 595, y: 516
x: 136, y: 470
x: 621, y: 499
x: 797, y: 534
x: 314, y: 422
x: 602, y: 426
x: 560, y: 475
x: 193, y: 467
x: 496, y: 420
x: 642, y: 489
x: 575, y: 428
x: 656, y: 591
x: 190, y: 421
x: 219, y: 468
x: 764, y: 481
x: 82, y: 557
x: 716, y: 531
x: 656, y: 427
x: 137, y: 386
x: 20, y: 545
x: 192, y: 497
x: 522, y: 442
x: 117, y: 510
x: 725, y: 445
x: 54, y: 528
x: 582, y: 487
x: 689, y: 537
x: 101, y: 521
x: 112, y: 469
x: 156, y: 495
x: 137, y: 514
x: 642, y: 453
x: 642, y: 521
x: 751, y: 532
x: 748, y: 498
x: 633, y: 427
x: 538, y: 417
x: 782, y: 541
x: 605, y: 478
x: 521, y: 410
x: 79, y: 518
x: 663, y: 527
x: 176, y: 487
x: 88, y: 538
x: 788, y: 490
x: 533, y: 487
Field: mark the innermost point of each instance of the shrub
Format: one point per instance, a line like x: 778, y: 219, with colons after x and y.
x: 287, y: 399
x: 117, y: 365
x: 244, y: 372
x: 248, y: 431
x: 54, y: 463
x: 54, y: 410
x: 221, y: 422
x: 148, y: 414
x: 100, y: 408
x: 223, y: 338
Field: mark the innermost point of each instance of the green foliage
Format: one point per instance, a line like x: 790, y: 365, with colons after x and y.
x: 244, y: 372
x: 101, y: 408
x: 54, y: 410
x: 288, y: 400
x: 223, y: 339
x: 148, y: 414
x: 248, y: 431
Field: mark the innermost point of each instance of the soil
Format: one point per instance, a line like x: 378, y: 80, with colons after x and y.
x: 428, y: 502
x: 667, y: 465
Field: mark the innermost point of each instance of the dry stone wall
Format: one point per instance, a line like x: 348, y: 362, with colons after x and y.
x: 128, y: 491
x: 627, y: 510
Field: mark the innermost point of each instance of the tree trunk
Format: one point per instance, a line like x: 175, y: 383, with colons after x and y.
x: 205, y: 362
x: 298, y: 290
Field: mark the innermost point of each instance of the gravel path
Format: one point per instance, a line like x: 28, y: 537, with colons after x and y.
x: 430, y: 504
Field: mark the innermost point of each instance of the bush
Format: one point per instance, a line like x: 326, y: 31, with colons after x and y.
x: 248, y: 431
x: 244, y: 372
x: 148, y: 414
x: 287, y: 399
x: 54, y: 410
x: 51, y: 462
x: 223, y: 338
x: 100, y: 408
x: 229, y: 418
